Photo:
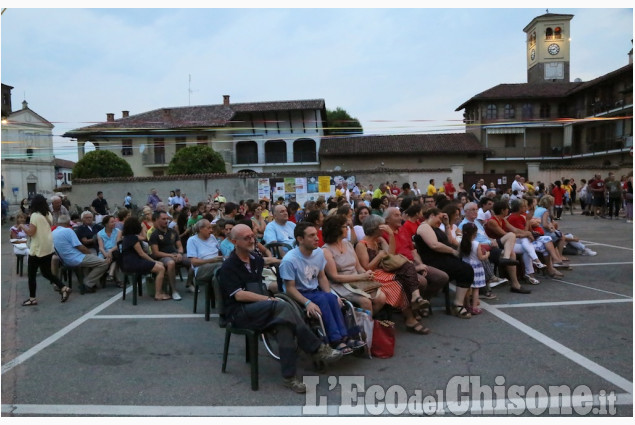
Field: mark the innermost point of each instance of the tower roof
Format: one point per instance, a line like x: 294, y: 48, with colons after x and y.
x: 548, y: 17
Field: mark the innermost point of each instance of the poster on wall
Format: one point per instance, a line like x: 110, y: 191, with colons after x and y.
x: 300, y: 185
x: 264, y: 191
x: 301, y: 198
x: 324, y: 184
x: 312, y: 184
x: 278, y: 191
x: 289, y: 185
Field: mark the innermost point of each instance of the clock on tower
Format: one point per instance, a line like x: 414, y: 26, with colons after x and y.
x: 548, y: 48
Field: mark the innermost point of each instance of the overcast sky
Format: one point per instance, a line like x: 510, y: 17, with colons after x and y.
x: 396, y: 70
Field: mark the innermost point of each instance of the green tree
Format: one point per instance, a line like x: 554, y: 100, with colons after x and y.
x: 340, y: 122
x: 101, y: 163
x: 197, y: 159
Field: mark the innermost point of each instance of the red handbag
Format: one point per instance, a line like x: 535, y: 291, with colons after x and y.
x: 383, y: 339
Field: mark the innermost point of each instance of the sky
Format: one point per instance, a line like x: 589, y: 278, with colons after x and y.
x: 397, y: 70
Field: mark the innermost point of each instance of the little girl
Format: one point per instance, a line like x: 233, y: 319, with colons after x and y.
x: 472, y: 254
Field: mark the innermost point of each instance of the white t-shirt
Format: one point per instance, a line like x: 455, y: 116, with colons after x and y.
x: 483, y: 215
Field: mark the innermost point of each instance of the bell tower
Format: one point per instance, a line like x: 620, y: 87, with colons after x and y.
x: 548, y: 48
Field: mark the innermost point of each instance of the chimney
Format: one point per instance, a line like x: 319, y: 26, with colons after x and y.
x: 167, y: 114
x: 110, y: 117
x: 125, y: 114
x: 226, y: 99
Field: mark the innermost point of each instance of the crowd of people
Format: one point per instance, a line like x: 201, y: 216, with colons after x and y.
x: 394, y: 247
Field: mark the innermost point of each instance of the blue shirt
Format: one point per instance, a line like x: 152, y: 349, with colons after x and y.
x: 277, y: 233
x: 202, y: 249
x: 65, y: 241
x: 226, y: 247
x: 481, y: 236
x: 109, y: 242
x: 303, y: 270
x: 539, y: 212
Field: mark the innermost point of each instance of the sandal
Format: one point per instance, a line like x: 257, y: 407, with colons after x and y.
x: 355, y: 344
x: 418, y: 329
x: 557, y: 274
x: 489, y: 295
x: 30, y: 301
x: 343, y: 348
x: 162, y: 297
x: 538, y: 264
x: 419, y: 305
x: 460, y: 312
x: 64, y: 293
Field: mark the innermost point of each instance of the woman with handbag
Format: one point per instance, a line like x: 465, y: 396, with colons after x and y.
x: 343, y: 268
x: 371, y: 251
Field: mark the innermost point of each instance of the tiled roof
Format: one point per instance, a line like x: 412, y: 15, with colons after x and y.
x: 623, y: 70
x: 548, y: 15
x: 542, y: 90
x: 401, y: 144
x: 524, y: 91
x: 64, y: 163
x: 193, y: 116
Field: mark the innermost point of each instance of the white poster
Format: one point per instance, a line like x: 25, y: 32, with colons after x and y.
x: 300, y: 186
x: 263, y: 189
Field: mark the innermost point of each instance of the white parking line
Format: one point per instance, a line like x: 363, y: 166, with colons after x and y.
x: 561, y: 303
x: 604, y: 244
x: 58, y: 335
x: 592, y: 288
x: 590, y: 365
x: 622, y: 399
x: 600, y: 264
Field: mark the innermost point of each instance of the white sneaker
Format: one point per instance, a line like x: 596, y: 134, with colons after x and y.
x: 496, y: 281
x: 191, y: 289
x: 588, y: 252
x: 176, y: 296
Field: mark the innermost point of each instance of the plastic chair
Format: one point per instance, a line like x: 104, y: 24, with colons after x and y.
x: 251, y: 337
x: 210, y: 298
x: 274, y: 247
x: 67, y: 271
x: 134, y: 278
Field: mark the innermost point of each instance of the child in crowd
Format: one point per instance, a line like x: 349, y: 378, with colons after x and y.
x: 472, y: 254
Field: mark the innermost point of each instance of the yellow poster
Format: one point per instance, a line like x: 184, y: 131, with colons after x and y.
x: 324, y: 183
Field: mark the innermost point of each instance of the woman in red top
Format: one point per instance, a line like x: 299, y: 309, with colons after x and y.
x: 520, y: 218
x: 558, y: 198
x: 498, y: 226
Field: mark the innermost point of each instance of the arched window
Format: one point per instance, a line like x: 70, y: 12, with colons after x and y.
x: 557, y: 33
x: 509, y: 111
x: 304, y: 150
x: 491, y: 112
x: 246, y: 152
x: 545, y: 110
x: 275, y: 151
x: 549, y: 34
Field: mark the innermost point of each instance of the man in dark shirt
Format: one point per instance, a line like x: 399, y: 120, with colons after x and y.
x: 596, y: 186
x: 247, y: 309
x: 167, y: 248
x: 87, y: 231
x: 100, y: 205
